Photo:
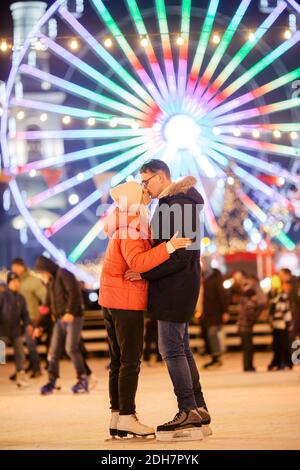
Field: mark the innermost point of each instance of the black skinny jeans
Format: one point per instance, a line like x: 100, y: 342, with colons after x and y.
x: 125, y: 329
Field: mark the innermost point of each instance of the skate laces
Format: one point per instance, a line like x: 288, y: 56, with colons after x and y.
x: 176, y: 418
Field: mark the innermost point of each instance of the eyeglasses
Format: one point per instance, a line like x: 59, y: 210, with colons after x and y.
x: 146, y: 182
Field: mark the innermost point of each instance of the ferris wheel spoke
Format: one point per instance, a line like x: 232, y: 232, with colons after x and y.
x: 85, y: 176
x: 221, y: 48
x: 92, y: 73
x: 102, y: 53
x: 250, y: 180
x: 283, y: 150
x: 184, y: 48
x: 73, y: 213
x: 243, y: 52
x: 262, y: 128
x: 259, y: 111
x: 166, y: 47
x: 149, y: 51
x: 90, y: 237
x: 135, y: 165
x: 82, y: 134
x: 255, y: 210
x: 84, y: 93
x: 202, y: 45
x: 55, y: 252
x: 253, y: 94
x: 284, y: 127
x: 80, y: 155
x: 206, y: 166
x: 59, y: 109
x: 118, y: 178
x: 211, y: 223
x: 127, y: 50
x: 251, y: 162
x: 254, y: 70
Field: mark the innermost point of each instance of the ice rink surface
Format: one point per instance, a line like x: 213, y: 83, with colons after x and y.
x: 249, y: 410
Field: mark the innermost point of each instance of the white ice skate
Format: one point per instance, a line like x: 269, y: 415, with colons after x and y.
x: 113, y: 424
x: 129, y: 424
x: 206, y: 420
x: 186, y: 426
x: 22, y: 380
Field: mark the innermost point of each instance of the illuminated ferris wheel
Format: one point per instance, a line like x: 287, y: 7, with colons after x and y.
x: 186, y: 85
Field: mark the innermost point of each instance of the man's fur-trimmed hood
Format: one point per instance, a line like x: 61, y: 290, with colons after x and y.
x: 181, y: 186
x: 185, y: 186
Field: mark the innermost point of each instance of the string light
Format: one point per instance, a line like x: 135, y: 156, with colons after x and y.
x: 180, y: 41
x: 277, y: 134
x: 216, y: 131
x: 237, y: 132
x: 108, y: 43
x: 74, y: 44
x: 113, y: 122
x: 287, y: 34
x: 39, y: 46
x: 20, y: 115
x: 144, y: 41
x: 91, y: 121
x: 256, y: 134
x: 73, y: 199
x: 66, y: 120
x: 3, y: 46
x: 43, y: 117
x: 294, y: 135
x: 216, y: 39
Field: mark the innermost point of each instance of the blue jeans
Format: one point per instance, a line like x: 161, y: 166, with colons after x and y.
x: 33, y: 354
x: 17, y: 344
x: 173, y: 344
x: 66, y: 334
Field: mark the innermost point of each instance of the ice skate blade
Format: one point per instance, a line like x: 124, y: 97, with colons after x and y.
x: 124, y: 435
x: 206, y: 430
x: 181, y: 435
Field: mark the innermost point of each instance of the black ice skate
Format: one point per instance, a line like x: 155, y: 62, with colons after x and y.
x: 186, y: 426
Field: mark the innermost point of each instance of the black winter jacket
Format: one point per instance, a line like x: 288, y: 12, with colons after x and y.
x: 14, y: 315
x: 64, y: 294
x: 174, y: 285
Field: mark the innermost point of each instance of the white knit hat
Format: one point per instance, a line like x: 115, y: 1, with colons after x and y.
x: 127, y: 196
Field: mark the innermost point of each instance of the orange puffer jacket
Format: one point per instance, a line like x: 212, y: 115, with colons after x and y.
x: 129, y: 247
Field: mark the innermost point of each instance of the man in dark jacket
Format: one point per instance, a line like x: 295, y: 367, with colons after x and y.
x: 14, y: 319
x: 64, y: 300
x: 214, y: 308
x: 173, y: 293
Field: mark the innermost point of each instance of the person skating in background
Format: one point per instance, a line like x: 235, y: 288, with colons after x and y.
x: 213, y: 310
x: 252, y: 302
x: 34, y: 292
x: 281, y: 317
x: 123, y: 302
x: 64, y: 300
x: 14, y: 320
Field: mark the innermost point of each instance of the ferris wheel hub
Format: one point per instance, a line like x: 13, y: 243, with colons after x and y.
x: 181, y: 131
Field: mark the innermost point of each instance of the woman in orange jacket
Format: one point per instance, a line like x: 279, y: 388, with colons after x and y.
x: 123, y: 302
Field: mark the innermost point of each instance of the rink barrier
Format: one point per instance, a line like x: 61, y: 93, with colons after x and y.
x: 94, y: 335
